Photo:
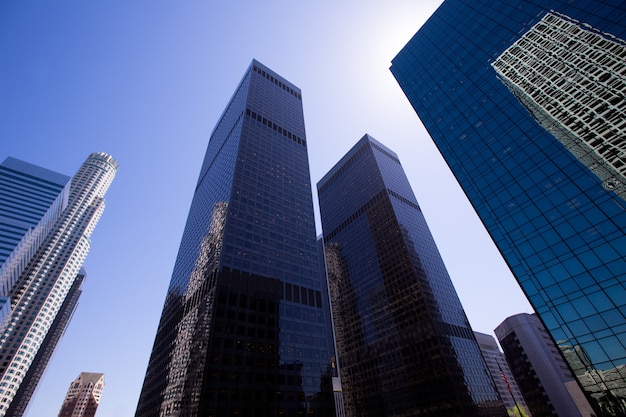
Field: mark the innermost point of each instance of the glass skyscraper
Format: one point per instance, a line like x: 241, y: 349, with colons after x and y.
x: 525, y: 101
x: 27, y: 192
x: 404, y: 344
x: 244, y: 328
x: 38, y: 295
x: 32, y: 199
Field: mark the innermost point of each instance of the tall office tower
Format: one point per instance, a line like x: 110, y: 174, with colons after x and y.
x: 27, y: 193
x: 543, y: 377
x: 405, y: 346
x: 244, y: 328
x: 525, y: 101
x: 501, y: 374
x: 39, y: 292
x: 27, y: 388
x: 83, y: 396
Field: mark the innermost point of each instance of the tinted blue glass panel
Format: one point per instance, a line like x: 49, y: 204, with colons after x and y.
x: 565, y: 227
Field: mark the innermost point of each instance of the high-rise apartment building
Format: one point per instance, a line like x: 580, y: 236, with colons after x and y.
x: 244, y: 328
x: 405, y: 346
x: 501, y: 374
x: 525, y: 101
x: 83, y: 396
x: 545, y: 381
x: 38, y: 294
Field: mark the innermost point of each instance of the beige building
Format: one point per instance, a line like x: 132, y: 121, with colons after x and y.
x: 83, y: 396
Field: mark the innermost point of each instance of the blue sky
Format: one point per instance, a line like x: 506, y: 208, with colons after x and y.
x: 146, y: 81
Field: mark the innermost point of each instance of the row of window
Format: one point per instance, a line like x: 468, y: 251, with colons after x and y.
x: 384, y: 152
x: 275, y: 127
x: 342, y: 170
x: 276, y: 81
x: 357, y: 213
x: 275, y: 287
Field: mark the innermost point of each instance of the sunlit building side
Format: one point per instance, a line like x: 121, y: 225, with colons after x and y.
x: 28, y: 387
x: 41, y: 289
x: 83, y: 396
x: 32, y: 199
x: 545, y: 381
x: 501, y: 374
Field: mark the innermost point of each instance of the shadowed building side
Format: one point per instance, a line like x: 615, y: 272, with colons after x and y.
x: 245, y: 326
x: 405, y: 346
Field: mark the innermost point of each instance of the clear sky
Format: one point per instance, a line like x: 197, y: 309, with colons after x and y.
x: 146, y: 82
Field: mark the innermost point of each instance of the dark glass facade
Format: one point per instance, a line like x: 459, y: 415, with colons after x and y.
x: 404, y: 344
x: 560, y: 230
x: 244, y: 328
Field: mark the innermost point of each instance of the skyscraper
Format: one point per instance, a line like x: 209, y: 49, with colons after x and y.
x: 83, y: 396
x: 27, y: 388
x: 31, y: 200
x: 244, y: 328
x: 546, y: 383
x: 42, y: 287
x: 404, y: 344
x: 27, y: 193
x: 501, y: 374
x: 525, y: 102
